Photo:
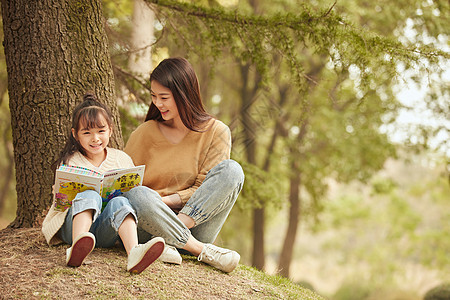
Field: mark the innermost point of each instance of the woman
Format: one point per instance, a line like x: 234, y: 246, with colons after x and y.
x: 190, y: 184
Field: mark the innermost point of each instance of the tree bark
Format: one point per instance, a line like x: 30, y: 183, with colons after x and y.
x: 55, y: 51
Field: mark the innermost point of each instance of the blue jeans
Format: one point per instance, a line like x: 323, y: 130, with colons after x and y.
x: 105, y: 224
x: 209, y: 207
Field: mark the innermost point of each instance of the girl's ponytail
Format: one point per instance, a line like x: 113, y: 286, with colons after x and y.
x: 89, y: 96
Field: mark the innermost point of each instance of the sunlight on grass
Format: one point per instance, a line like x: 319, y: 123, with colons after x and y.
x: 59, y: 271
x: 274, y: 284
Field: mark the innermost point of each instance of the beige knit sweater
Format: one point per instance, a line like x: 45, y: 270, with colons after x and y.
x: 115, y: 159
x: 182, y: 167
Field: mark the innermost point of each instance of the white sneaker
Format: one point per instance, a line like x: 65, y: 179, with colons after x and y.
x: 220, y: 258
x: 81, y: 247
x: 143, y: 255
x: 170, y: 255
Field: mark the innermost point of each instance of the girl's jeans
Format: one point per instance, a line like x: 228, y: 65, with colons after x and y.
x: 105, y: 224
x: 209, y: 207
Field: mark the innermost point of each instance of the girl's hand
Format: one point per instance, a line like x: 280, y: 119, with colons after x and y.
x: 173, y: 201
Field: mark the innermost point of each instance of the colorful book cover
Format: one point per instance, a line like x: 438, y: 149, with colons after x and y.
x: 71, y: 180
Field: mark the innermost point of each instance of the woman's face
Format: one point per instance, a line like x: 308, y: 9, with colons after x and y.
x: 163, y: 99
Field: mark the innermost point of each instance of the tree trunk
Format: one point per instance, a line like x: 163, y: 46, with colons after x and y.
x: 248, y: 94
x: 294, y: 201
x: 287, y: 250
x: 258, y: 254
x: 55, y: 51
x: 140, y: 61
x: 291, y: 232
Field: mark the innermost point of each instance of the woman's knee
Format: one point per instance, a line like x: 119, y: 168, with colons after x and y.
x: 142, y: 195
x: 237, y: 170
x: 232, y: 172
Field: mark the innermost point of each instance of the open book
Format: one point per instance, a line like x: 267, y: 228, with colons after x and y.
x: 71, y: 180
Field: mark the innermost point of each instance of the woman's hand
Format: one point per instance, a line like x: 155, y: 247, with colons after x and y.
x: 173, y: 201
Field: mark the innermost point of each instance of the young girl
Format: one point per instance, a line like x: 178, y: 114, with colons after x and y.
x: 84, y: 225
x: 190, y: 184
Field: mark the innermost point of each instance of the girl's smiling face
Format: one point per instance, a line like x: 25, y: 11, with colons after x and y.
x: 94, y: 140
x: 163, y: 99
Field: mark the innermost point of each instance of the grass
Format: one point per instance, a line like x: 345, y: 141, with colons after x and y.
x: 31, y: 269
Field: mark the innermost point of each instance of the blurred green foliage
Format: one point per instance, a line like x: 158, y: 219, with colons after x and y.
x: 388, y: 228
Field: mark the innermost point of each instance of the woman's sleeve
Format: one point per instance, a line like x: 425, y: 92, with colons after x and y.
x: 217, y: 151
x: 133, y: 147
x: 130, y: 145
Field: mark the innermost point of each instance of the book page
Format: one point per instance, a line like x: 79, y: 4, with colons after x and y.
x: 69, y: 181
x: 117, y: 182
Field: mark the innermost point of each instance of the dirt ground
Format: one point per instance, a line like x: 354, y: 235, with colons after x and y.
x: 30, y: 269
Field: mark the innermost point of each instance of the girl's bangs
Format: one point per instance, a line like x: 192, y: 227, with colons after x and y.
x: 92, y: 117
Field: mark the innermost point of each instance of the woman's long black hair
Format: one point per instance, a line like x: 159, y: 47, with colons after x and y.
x: 178, y: 75
x: 87, y: 114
